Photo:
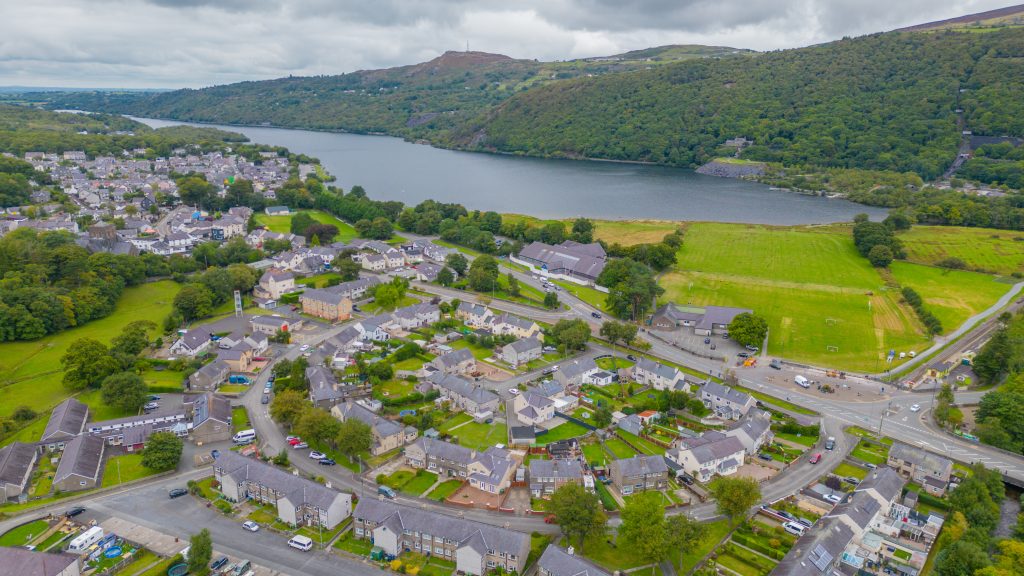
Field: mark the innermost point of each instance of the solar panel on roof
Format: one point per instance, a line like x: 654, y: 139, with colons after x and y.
x: 821, y: 558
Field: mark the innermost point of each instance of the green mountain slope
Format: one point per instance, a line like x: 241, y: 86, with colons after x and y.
x: 884, y: 102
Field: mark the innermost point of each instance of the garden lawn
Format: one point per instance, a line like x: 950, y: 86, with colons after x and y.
x: 595, y: 454
x: 952, y: 295
x: 619, y: 449
x: 538, y: 542
x: 396, y: 388
x: 870, y: 452
x: 374, y: 308
x: 630, y: 232
x: 563, y: 431
x: 30, y: 371
x: 481, y: 436
x: 24, y: 534
x: 419, y: 483
x: 460, y: 418
x: 444, y: 490
x: 142, y: 559
x: 98, y: 410
x: 124, y: 468
x: 803, y: 440
x: 613, y: 363
x: 352, y: 545
x: 163, y: 379
x: 716, y: 531
x: 160, y: 569
x: 319, y: 280
x: 847, y: 470
x: 283, y: 224
x: 240, y: 418
x: 646, y: 446
x: 233, y: 389
x: 745, y: 562
x: 997, y: 251
x: 810, y: 284
x: 479, y: 352
x: 777, y: 401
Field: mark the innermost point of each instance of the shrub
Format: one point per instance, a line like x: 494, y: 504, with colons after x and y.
x: 223, y: 506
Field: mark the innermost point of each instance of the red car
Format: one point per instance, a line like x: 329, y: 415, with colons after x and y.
x: 549, y: 519
x: 816, y: 458
x: 294, y: 441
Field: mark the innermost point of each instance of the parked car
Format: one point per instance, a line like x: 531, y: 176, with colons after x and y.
x: 177, y: 493
x: 751, y: 348
x: 251, y: 526
x: 707, y: 340
x: 317, y: 455
x: 300, y: 446
x: 327, y: 461
x: 293, y: 440
x: 513, y: 391
x: 630, y: 357
x: 743, y: 354
x: 833, y: 498
x: 265, y: 399
x: 219, y: 563
x: 915, y: 408
x: 595, y: 315
x: 386, y: 492
x: 304, y: 347
x: 764, y: 456
x: 154, y: 397
x: 215, y: 453
x: 550, y: 349
x: 830, y: 443
x: 687, y: 480
x: 816, y: 458
x: 776, y: 364
x: 549, y: 519
x: 151, y: 406
x: 794, y: 528
x: 804, y: 521
x: 870, y: 465
x: 72, y: 512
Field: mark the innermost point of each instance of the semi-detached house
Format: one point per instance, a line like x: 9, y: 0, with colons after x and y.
x: 463, y: 394
x: 724, y: 401
x: 490, y: 470
x: 546, y: 476
x: 387, y: 434
x: 709, y: 454
x: 475, y: 548
x: 659, y: 376
x: 639, y: 473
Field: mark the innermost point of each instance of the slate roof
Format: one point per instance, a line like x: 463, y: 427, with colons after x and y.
x: 211, y: 372
x: 462, y: 387
x: 885, y: 481
x: 477, y: 535
x: 525, y: 345
x: 642, y: 465
x: 325, y: 295
x: 581, y: 259
x: 576, y: 368
x: 15, y: 461
x: 712, y: 446
x: 512, y: 319
x: 208, y: 406
x: 22, y: 562
x: 474, y: 309
x: 729, y: 394
x: 455, y: 357
x: 497, y: 463
x: 382, y: 426
x: 67, y: 419
x: 296, y: 488
x: 445, y: 450
x: 558, y: 469
x: 657, y: 368
x: 816, y: 552
x: 82, y: 457
x: 920, y: 458
x: 195, y: 338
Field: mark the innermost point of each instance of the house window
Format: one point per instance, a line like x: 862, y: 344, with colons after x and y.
x: 490, y: 564
x: 438, y: 550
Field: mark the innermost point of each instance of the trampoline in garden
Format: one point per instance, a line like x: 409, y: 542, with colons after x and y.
x: 178, y: 570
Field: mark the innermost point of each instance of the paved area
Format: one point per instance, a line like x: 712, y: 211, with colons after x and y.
x: 756, y: 472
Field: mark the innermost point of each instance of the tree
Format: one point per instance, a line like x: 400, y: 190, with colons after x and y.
x: 615, y: 332
x: 324, y: 233
x: 582, y: 231
x: 354, y: 437
x: 880, y: 256
x: 483, y: 273
x: 1008, y: 562
x: 445, y: 276
x: 960, y: 558
x: 346, y: 267
x: 456, y: 261
x: 287, y: 406
x: 86, y: 363
x: 133, y: 339
x: 748, y: 329
x: 735, y: 496
x: 125, y: 391
x: 300, y: 222
x: 200, y: 552
x: 632, y: 287
x: 194, y: 301
x: 513, y: 285
x: 571, y: 334
x: 551, y: 300
x: 683, y: 534
x: 316, y: 425
x: 643, y: 527
x: 386, y: 296
x: 602, y: 417
x: 578, y: 513
x: 162, y: 452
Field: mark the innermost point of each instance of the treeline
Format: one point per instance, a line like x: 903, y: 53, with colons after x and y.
x: 998, y: 164
x: 877, y: 241
x: 1000, y: 416
x: 933, y: 324
x: 49, y: 283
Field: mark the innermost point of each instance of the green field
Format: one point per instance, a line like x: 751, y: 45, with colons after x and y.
x: 23, y: 534
x: 624, y: 232
x: 283, y: 224
x: 952, y: 295
x: 998, y: 251
x: 31, y: 370
x: 824, y: 303
x: 124, y: 468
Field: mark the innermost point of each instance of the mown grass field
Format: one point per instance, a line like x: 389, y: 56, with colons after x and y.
x: 282, y: 224
x: 998, y: 251
x: 817, y: 292
x: 624, y: 232
x: 30, y: 372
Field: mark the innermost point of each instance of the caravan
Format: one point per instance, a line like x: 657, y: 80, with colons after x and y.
x: 83, y: 541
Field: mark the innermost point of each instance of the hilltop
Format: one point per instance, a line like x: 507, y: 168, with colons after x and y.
x: 1008, y: 16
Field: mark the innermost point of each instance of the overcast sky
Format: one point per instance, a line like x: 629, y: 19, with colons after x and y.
x: 194, y: 43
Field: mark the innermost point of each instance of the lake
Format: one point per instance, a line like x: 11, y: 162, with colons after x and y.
x: 393, y: 169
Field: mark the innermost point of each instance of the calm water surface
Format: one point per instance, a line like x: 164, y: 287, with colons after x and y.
x: 393, y: 169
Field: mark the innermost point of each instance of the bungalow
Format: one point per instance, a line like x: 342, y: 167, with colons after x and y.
x: 67, y: 420
x: 210, y: 376
x: 474, y: 547
x: 17, y: 461
x: 270, y: 325
x: 81, y: 464
x: 192, y: 343
x: 298, y: 501
x: 428, y: 272
x: 657, y: 375
x: 522, y: 351
x: 710, y: 453
x: 388, y: 435
x: 463, y: 394
x: 639, y: 473
x: 724, y: 401
x: 459, y: 361
x: 277, y: 211
x: 705, y: 320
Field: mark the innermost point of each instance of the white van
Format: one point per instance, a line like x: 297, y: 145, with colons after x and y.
x: 801, y: 381
x: 86, y: 539
x: 244, y: 436
x: 794, y: 528
x: 301, y: 542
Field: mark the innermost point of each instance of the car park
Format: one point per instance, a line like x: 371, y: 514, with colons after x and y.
x: 317, y: 455
x: 251, y: 526
x: 177, y: 493
x: 513, y: 391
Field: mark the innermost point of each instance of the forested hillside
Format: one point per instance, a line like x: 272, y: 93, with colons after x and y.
x: 420, y: 100
x: 883, y: 102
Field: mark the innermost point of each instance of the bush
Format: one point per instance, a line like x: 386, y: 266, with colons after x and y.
x: 223, y: 506
x: 952, y: 263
